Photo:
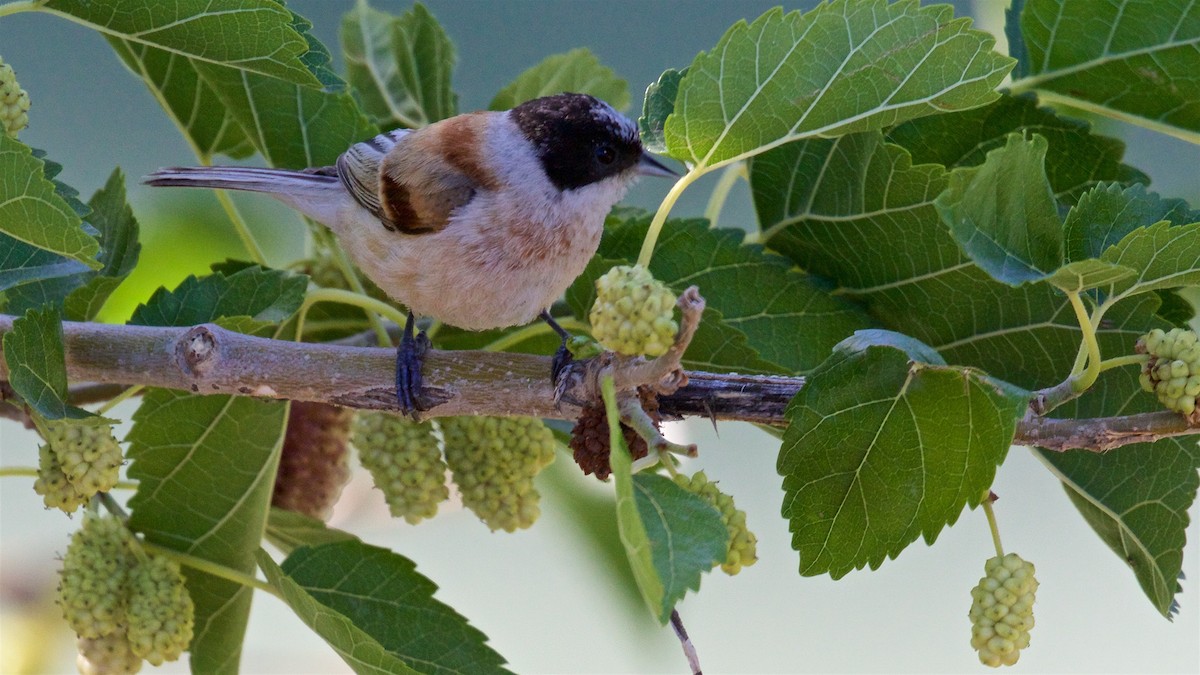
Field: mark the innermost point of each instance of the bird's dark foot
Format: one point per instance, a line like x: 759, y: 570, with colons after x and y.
x: 410, y: 357
x: 562, y: 355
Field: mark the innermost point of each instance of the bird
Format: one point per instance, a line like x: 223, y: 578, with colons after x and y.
x: 480, y: 221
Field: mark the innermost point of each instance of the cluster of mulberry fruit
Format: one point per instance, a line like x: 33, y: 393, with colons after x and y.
x: 1173, y: 370
x: 14, y: 102
x: 314, y: 464
x: 404, y: 460
x: 1002, y: 610
x: 77, y: 461
x: 743, y: 545
x: 125, y: 605
x: 633, y: 313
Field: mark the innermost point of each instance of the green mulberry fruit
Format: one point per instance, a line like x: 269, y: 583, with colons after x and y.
x: 1173, y: 369
x: 57, y: 492
x: 14, y: 102
x: 633, y: 313
x: 94, y: 575
x: 1002, y: 610
x: 494, y: 461
x: 88, y: 454
x: 743, y: 545
x: 107, y: 655
x: 403, y: 458
x: 314, y: 464
x: 161, y: 613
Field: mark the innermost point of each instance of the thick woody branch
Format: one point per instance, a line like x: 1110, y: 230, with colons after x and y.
x: 208, y: 359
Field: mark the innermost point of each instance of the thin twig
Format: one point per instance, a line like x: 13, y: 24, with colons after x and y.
x: 689, y: 649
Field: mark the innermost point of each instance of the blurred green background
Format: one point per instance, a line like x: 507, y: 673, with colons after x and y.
x: 557, y: 598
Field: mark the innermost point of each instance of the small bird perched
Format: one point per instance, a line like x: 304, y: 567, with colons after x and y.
x: 479, y: 221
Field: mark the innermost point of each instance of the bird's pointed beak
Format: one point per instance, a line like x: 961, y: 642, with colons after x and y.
x: 649, y: 166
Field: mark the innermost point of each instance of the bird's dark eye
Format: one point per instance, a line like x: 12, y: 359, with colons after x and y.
x: 605, y: 154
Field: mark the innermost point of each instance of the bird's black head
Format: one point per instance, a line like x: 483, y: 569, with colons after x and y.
x: 579, y: 138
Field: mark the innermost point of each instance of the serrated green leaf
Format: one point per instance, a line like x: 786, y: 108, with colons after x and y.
x: 389, y: 602
x: 879, y: 64
x: 188, y: 101
x: 1163, y: 255
x: 36, y: 362
x: 249, y: 36
x: 1003, y: 213
x: 915, y: 349
x: 1136, y: 497
x: 1076, y: 161
x: 205, y: 467
x: 358, y: 649
x: 1133, y: 60
x: 686, y: 534
x: 828, y: 204
x: 881, y: 449
x: 759, y: 295
x: 34, y: 211
x: 266, y: 296
x: 292, y: 125
x: 638, y: 548
x: 1107, y: 213
x: 22, y: 263
x: 1175, y: 309
x: 289, y: 530
x: 399, y: 66
x: 577, y: 71
x: 81, y: 295
x: 657, y: 105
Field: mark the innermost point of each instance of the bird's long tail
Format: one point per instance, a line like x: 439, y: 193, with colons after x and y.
x: 317, y: 195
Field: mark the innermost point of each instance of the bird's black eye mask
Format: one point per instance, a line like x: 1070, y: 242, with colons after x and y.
x: 578, y: 139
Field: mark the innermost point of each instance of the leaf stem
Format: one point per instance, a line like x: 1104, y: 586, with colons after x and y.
x: 1046, y: 96
x: 215, y: 569
x: 991, y: 518
x: 18, y: 7
x: 1082, y: 381
x: 120, y: 398
x: 18, y: 471
x: 1127, y: 360
x: 239, y: 224
x: 356, y: 284
x: 716, y: 202
x: 531, y: 331
x: 354, y: 300
x: 664, y: 209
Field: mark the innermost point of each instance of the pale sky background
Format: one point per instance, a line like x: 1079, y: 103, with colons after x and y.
x: 542, y: 596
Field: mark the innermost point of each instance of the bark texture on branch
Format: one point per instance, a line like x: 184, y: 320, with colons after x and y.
x: 208, y: 359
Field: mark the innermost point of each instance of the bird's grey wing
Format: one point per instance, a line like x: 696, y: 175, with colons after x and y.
x: 358, y: 169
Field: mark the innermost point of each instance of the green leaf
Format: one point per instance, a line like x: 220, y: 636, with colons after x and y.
x: 289, y: 530
x: 292, y: 125
x: 205, y: 467
x: 266, y: 296
x: 358, y: 649
x: 1164, y: 256
x: 382, y: 595
x: 1135, y: 497
x: 35, y: 210
x: 22, y: 263
x: 638, y: 548
x: 1109, y: 212
x: 857, y: 212
x: 759, y: 295
x: 577, y: 71
x: 658, y: 104
x: 36, y: 362
x: 81, y: 295
x: 1076, y: 160
x: 249, y: 36
x: 686, y: 534
x: 881, y: 449
x: 1003, y: 213
x: 188, y: 101
x: 1134, y: 60
x: 879, y: 64
x: 873, y: 337
x: 399, y: 65
x: 1087, y: 274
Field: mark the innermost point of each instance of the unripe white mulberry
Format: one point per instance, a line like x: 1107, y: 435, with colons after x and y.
x: 94, y: 574
x: 403, y: 458
x: 161, y: 613
x: 88, y: 454
x: 633, y: 313
x: 14, y: 102
x: 57, y: 492
x: 107, y: 655
x: 493, y: 461
x: 1002, y: 610
x: 743, y: 544
x: 1173, y: 369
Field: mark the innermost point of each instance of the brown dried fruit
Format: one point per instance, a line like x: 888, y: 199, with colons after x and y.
x: 315, y: 463
x: 590, y: 441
